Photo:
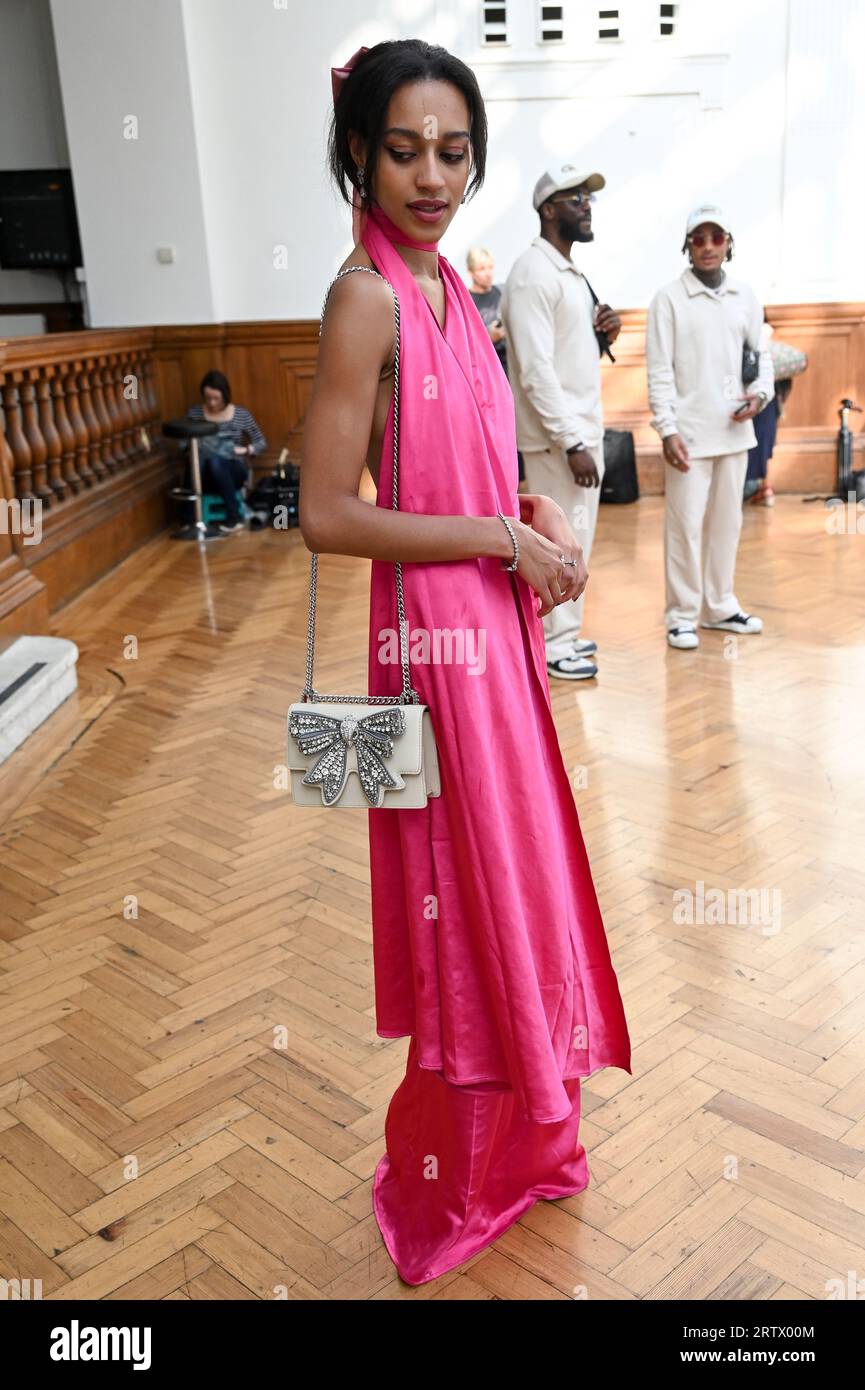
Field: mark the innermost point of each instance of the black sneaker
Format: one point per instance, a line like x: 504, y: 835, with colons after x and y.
x: 228, y: 528
x: 572, y: 668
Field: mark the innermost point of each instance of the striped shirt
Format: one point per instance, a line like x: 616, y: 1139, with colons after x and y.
x: 242, y: 422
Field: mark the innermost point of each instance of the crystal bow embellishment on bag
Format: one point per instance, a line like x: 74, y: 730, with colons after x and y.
x: 372, y: 739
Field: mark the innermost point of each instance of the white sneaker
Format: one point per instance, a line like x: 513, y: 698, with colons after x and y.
x: 582, y: 646
x: 572, y: 668
x: 682, y: 637
x: 739, y: 622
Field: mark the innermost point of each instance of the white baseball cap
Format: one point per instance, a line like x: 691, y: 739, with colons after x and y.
x: 562, y: 177
x: 707, y: 212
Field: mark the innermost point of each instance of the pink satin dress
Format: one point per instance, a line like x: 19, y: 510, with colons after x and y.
x: 489, y: 948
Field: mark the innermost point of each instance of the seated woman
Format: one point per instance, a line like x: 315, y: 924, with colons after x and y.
x: 221, y: 455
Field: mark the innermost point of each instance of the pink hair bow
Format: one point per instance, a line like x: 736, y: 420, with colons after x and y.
x: 337, y: 77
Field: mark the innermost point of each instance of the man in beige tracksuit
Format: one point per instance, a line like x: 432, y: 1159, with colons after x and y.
x: 696, y: 330
x: 550, y: 318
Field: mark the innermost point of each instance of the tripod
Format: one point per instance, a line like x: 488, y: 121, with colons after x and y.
x: 845, y: 478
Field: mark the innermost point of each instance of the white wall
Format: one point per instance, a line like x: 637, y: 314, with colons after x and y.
x: 124, y: 73
x: 32, y: 135
x: 258, y: 76
x: 823, y: 192
x: 758, y: 104
x: 753, y: 102
x: 670, y: 124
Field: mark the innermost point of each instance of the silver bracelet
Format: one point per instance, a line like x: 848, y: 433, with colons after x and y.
x: 514, y: 541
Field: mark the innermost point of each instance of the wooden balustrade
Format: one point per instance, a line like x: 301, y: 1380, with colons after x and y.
x: 78, y: 409
x: 81, y: 451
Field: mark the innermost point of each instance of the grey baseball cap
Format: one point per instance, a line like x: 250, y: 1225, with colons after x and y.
x: 562, y: 177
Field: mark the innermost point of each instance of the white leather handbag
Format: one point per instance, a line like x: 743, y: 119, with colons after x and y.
x: 338, y: 756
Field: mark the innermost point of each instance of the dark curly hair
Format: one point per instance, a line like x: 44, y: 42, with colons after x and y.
x: 363, y: 101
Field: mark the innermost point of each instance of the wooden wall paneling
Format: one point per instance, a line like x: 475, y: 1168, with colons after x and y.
x: 81, y: 414
x: 832, y: 335
x: 270, y: 367
x: 296, y: 375
x: 273, y: 366
x: 171, y: 370
x: 85, y: 544
x: 182, y: 354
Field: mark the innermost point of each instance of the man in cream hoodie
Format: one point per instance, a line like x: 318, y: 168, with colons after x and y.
x: 551, y: 318
x: 696, y: 331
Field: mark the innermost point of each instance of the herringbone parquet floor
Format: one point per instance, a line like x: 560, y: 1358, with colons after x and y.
x: 192, y: 1092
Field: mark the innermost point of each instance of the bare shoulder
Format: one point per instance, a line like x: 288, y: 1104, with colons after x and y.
x: 359, y: 312
x: 363, y: 293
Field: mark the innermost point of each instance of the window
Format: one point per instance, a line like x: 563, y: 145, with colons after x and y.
x: 637, y: 20
x: 608, y: 24
x: 667, y: 20
x: 494, y: 21
x: 552, y: 29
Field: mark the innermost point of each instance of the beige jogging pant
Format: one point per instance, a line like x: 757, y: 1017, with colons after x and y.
x: 547, y: 472
x: 702, y: 523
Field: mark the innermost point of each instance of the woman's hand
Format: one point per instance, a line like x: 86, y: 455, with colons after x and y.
x: 541, y: 545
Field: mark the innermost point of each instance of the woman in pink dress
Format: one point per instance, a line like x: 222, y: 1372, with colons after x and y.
x: 489, y: 949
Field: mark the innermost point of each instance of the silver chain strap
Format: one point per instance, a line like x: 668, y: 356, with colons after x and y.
x: 408, y: 694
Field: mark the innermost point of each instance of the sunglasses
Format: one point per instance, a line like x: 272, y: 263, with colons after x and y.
x: 700, y: 238
x: 576, y: 198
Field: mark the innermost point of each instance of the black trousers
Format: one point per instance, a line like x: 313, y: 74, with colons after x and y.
x: 222, y: 476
